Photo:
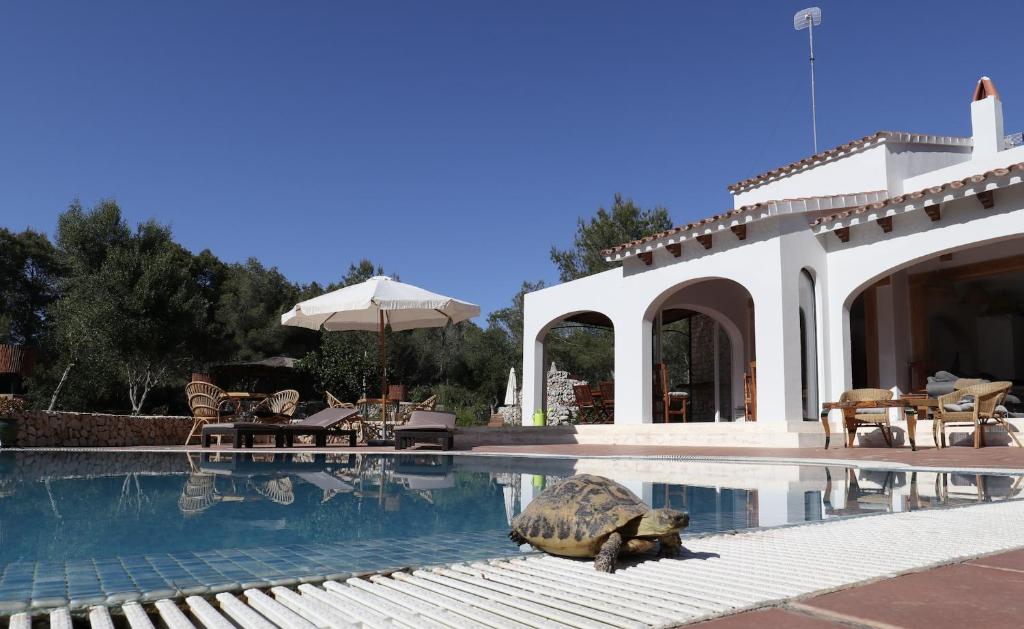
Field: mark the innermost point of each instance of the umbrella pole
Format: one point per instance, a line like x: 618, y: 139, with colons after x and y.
x: 383, y: 376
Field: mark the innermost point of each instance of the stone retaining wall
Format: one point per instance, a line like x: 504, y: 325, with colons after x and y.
x: 40, y: 429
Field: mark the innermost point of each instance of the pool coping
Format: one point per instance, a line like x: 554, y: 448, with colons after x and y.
x: 765, y: 460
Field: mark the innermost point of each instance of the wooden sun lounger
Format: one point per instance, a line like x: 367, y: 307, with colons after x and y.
x: 242, y: 433
x: 326, y: 423
x: 427, y: 427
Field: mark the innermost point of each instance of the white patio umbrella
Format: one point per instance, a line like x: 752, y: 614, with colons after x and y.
x: 374, y: 304
x: 510, y: 388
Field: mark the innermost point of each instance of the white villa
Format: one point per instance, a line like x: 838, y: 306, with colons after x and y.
x: 872, y: 264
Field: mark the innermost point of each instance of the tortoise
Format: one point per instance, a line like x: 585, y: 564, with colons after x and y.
x: 593, y: 516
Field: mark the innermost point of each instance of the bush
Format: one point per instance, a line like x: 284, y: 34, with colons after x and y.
x: 10, y: 405
x: 469, y: 409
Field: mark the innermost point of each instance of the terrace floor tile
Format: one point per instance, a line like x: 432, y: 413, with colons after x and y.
x: 962, y: 595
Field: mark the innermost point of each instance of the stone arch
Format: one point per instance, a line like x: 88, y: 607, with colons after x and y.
x: 542, y: 359
x: 727, y: 308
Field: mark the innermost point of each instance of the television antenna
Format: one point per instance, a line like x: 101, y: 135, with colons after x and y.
x: 809, y: 18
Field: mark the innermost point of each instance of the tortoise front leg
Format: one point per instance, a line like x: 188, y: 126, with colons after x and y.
x: 637, y: 546
x: 609, y: 553
x: 671, y: 545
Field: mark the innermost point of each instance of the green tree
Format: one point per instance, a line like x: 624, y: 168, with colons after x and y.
x: 29, y: 274
x: 510, y: 320
x: 247, y: 314
x: 131, y: 299
x: 623, y: 223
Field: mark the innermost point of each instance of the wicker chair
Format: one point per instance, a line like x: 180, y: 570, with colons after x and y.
x: 950, y: 411
x: 871, y: 417
x: 208, y: 403
x: 279, y: 406
x: 334, y: 402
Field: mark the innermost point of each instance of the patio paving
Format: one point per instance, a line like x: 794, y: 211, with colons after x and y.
x: 984, y: 592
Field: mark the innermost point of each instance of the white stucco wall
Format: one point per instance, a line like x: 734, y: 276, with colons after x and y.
x: 768, y: 265
x: 860, y: 171
x: 631, y: 296
x: 905, y: 161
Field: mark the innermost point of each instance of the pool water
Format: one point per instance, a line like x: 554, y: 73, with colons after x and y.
x: 88, y: 528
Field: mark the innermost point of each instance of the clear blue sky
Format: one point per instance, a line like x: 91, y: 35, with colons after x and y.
x: 454, y: 142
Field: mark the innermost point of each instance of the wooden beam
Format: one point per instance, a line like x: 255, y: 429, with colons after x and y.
x: 843, y: 233
x: 740, y: 231
x: 885, y: 223
x: 987, y: 199
x: 972, y: 271
x: 933, y: 211
x: 647, y: 257
x: 705, y: 240
x: 676, y: 249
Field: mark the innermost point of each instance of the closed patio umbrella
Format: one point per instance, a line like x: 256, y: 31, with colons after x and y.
x: 374, y: 304
x: 511, y: 387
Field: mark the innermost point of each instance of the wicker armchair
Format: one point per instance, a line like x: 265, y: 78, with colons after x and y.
x: 334, y: 402
x: 209, y: 404
x: 279, y: 406
x: 871, y: 417
x: 951, y: 411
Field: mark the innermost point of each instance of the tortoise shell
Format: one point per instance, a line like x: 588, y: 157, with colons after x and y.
x: 575, y: 516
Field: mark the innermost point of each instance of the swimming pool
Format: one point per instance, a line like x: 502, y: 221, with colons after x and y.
x: 81, y: 528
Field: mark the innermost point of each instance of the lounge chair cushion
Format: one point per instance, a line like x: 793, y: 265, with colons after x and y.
x: 327, y: 418
x: 429, y: 420
x: 229, y: 425
x: 872, y: 411
x: 440, y: 427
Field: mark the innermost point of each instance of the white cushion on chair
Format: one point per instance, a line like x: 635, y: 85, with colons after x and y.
x: 872, y: 411
x: 963, y: 407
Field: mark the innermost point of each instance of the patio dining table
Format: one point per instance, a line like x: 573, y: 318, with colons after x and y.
x: 244, y: 401
x: 850, y: 421
x: 382, y: 427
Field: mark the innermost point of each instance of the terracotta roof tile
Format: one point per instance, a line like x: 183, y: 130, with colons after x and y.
x: 725, y: 215
x: 898, y: 136
x: 950, y: 185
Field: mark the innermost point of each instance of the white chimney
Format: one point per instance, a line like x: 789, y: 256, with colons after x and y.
x: 986, y: 118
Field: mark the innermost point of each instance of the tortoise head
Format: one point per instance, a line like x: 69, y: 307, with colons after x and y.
x: 658, y: 522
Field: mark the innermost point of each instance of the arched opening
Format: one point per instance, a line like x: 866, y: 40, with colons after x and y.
x: 702, y: 353
x: 808, y: 346
x: 958, y: 314
x: 578, y: 351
